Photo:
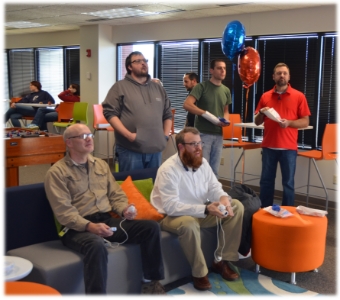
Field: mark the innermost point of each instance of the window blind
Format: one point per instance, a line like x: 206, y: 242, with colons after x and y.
x: 50, y: 67
x: 72, y: 66
x: 22, y: 71
x: 174, y: 60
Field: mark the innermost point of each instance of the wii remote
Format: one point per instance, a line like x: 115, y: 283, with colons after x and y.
x: 131, y: 209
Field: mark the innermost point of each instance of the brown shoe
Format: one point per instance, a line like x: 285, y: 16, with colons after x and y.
x: 226, y: 272
x: 201, y: 283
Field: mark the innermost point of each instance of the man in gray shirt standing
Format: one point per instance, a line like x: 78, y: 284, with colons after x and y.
x: 140, y: 113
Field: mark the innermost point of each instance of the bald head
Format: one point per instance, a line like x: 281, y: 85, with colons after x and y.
x: 79, y: 142
x: 74, y: 130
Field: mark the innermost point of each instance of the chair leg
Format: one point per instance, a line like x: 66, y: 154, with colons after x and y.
x: 257, y: 269
x: 292, y: 278
x: 242, y: 154
x: 308, y: 182
x: 323, y: 184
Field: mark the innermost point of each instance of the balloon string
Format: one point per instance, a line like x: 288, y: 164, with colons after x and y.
x: 246, y: 112
x: 244, y: 130
x: 232, y: 85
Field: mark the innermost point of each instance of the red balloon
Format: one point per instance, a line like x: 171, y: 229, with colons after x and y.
x: 249, y: 66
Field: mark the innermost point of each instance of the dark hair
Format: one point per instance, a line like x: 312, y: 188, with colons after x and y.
x: 214, y: 61
x: 280, y: 65
x: 180, y: 136
x: 192, y: 76
x: 77, y: 88
x: 37, y: 84
x: 128, y: 60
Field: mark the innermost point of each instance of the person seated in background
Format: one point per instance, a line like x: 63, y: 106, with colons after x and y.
x: 82, y: 192
x: 37, y: 96
x: 185, y: 184
x: 45, y: 115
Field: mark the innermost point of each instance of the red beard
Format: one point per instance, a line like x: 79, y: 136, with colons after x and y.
x: 191, y: 160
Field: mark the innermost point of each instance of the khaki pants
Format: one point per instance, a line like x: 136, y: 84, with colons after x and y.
x: 188, y: 230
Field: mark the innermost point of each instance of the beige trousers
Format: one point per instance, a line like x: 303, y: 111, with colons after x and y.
x: 188, y: 230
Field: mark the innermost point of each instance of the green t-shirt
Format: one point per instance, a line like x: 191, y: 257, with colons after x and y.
x: 211, y: 98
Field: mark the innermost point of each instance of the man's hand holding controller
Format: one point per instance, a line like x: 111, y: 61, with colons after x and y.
x: 130, y: 212
x: 219, y: 210
x: 100, y: 229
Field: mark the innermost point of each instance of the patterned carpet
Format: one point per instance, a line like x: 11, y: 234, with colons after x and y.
x: 250, y: 283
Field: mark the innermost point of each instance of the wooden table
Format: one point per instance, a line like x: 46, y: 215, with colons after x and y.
x: 47, y: 148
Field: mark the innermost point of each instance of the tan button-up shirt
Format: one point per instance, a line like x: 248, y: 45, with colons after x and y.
x: 74, y: 193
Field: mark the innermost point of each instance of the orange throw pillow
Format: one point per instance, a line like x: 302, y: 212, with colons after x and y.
x: 145, y: 210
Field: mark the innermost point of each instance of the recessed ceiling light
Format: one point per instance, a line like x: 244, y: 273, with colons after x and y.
x: 23, y: 24
x: 121, y: 13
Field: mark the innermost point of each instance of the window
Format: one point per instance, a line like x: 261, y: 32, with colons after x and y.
x: 211, y: 49
x: 299, y: 52
x: 174, y: 60
x: 5, y: 85
x: 72, y: 65
x: 21, y: 63
x: 55, y: 68
x: 50, y: 70
x: 326, y: 109
x: 125, y: 50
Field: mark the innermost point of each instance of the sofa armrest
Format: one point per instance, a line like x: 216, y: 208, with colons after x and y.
x: 28, y: 216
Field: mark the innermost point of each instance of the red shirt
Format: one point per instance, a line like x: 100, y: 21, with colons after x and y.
x: 291, y: 105
x: 67, y: 96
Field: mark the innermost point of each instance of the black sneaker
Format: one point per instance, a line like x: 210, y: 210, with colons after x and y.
x: 154, y: 287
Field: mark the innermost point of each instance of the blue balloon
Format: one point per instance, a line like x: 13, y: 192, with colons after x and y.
x: 233, y: 39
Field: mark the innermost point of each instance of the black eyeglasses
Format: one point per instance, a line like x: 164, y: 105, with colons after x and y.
x: 83, y: 136
x: 138, y: 61
x: 195, y: 144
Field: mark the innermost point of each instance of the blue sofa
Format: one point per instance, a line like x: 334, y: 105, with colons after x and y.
x: 30, y: 233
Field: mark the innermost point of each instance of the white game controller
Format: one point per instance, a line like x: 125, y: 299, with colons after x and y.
x: 131, y: 209
x: 113, y: 228
x: 222, y: 209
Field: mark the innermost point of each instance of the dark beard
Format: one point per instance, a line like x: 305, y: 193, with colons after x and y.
x: 281, y: 83
x: 190, y: 160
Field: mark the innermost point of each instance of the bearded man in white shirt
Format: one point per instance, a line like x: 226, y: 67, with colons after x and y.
x: 188, y: 192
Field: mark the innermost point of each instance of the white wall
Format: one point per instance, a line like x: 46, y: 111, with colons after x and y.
x: 314, y: 19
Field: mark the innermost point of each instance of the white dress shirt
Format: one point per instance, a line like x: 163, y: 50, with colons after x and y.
x: 182, y: 191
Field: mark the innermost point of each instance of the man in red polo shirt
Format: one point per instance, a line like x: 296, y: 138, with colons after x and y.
x: 280, y: 137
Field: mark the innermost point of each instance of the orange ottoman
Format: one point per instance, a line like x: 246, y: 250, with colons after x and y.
x: 293, y: 244
x: 28, y: 288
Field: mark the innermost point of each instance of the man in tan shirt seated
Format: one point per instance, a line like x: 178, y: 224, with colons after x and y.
x: 82, y: 193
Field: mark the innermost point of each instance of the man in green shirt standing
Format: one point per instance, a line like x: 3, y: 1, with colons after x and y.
x: 213, y: 99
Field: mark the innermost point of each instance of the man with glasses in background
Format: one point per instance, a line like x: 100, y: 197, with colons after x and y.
x: 139, y: 110
x: 213, y: 99
x: 82, y: 193
x: 188, y: 192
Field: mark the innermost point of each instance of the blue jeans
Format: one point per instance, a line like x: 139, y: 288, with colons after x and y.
x: 287, y: 160
x: 15, y: 114
x: 146, y: 233
x: 212, y: 150
x: 130, y: 160
x: 43, y: 116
